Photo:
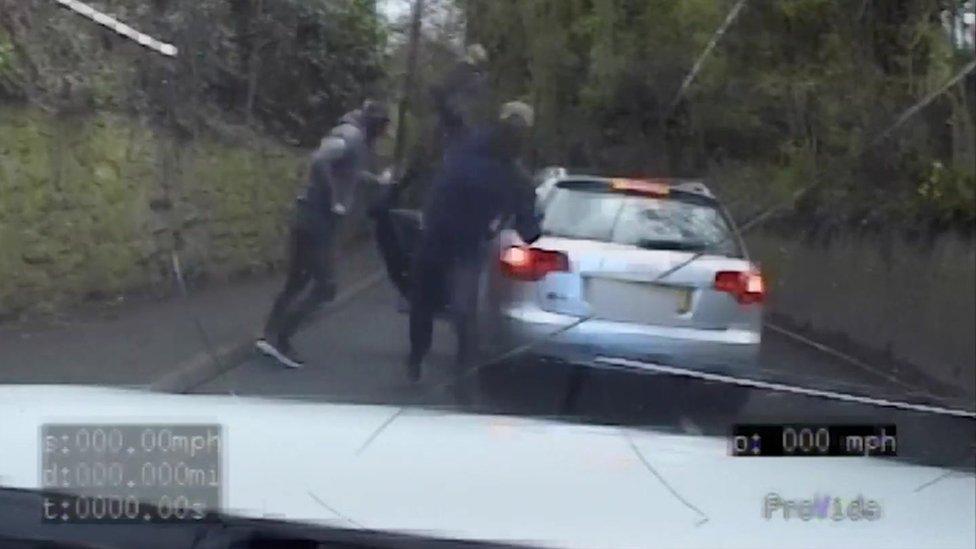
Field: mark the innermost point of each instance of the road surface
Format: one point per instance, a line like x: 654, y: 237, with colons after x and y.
x: 356, y: 354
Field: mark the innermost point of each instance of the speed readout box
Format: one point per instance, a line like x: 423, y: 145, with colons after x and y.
x: 810, y: 440
x: 131, y: 473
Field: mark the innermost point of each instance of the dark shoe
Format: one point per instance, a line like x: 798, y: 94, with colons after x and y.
x: 283, y: 353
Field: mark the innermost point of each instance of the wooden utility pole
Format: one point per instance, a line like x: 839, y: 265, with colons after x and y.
x: 409, y: 81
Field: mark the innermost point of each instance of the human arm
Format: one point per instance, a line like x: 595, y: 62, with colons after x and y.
x: 522, y: 205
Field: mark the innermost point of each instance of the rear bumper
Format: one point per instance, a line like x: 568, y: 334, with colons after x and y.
x: 721, y: 351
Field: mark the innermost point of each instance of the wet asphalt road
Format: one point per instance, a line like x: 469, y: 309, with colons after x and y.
x: 356, y: 354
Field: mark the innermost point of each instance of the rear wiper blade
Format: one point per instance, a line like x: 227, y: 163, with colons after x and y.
x: 690, y: 245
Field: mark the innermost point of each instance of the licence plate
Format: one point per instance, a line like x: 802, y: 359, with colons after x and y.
x: 637, y: 302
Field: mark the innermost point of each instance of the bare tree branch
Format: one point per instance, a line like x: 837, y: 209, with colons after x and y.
x: 911, y: 111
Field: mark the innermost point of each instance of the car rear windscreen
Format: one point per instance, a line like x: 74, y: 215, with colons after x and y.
x: 680, y: 221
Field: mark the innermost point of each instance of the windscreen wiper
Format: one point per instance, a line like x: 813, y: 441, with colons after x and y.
x: 759, y: 218
x: 677, y: 245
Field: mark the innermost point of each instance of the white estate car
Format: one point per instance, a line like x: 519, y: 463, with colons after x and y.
x: 656, y: 267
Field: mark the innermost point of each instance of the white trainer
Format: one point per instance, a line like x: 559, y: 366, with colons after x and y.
x: 270, y: 350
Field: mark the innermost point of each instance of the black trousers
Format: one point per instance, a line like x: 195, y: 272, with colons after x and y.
x: 311, y: 266
x: 440, y: 279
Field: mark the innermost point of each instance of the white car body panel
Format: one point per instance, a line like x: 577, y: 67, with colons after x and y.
x: 505, y: 478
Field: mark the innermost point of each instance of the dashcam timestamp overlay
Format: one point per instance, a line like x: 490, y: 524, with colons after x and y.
x: 769, y: 440
x: 131, y: 473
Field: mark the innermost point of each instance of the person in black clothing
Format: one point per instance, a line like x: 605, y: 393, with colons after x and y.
x: 457, y: 100
x: 480, y: 183
x: 338, y: 166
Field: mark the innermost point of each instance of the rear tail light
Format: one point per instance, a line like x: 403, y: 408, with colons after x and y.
x: 747, y: 287
x: 523, y: 263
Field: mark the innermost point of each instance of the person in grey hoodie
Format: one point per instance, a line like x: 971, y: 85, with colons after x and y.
x: 338, y: 167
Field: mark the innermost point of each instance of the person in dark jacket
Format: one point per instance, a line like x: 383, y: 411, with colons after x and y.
x: 480, y: 183
x: 457, y: 101
x: 338, y: 166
